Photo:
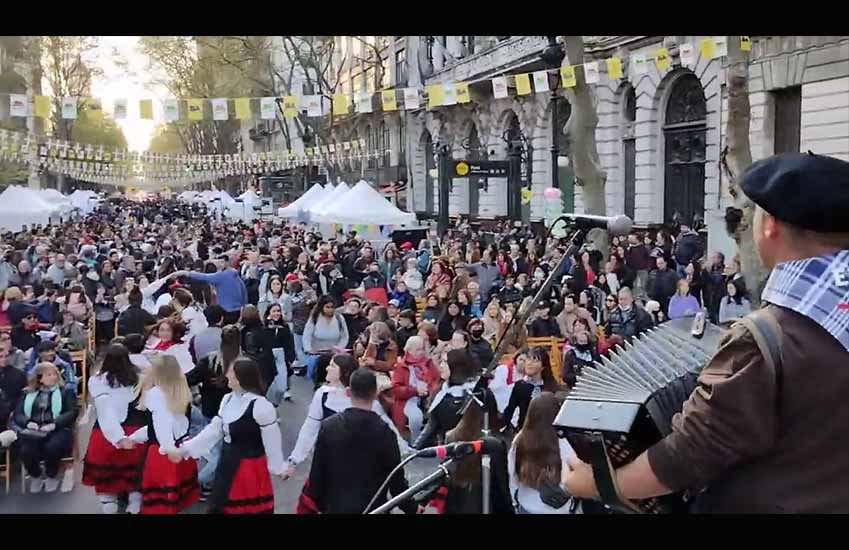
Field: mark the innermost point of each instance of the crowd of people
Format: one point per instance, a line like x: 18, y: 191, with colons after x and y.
x: 200, y: 326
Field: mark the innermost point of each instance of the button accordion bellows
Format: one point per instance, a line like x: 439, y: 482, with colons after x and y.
x: 625, y: 404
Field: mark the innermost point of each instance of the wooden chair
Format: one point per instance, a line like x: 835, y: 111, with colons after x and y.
x: 6, y: 470
x: 68, y: 461
x: 80, y: 359
x: 555, y: 353
x: 420, y: 305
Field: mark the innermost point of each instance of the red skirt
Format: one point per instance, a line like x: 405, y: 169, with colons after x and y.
x: 110, y: 470
x: 168, y: 488
x: 250, y: 491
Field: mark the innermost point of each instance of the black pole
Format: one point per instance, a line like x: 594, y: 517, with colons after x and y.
x: 555, y: 150
x: 444, y: 153
x: 514, y: 181
x: 442, y: 471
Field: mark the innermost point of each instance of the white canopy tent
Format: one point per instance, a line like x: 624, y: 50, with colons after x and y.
x: 21, y: 206
x: 363, y: 205
x: 57, y: 199
x: 84, y: 199
x: 314, y: 212
x: 187, y: 196
x: 312, y: 196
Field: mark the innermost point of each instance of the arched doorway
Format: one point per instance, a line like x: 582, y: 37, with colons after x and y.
x: 475, y: 152
x: 430, y: 164
x: 684, y: 136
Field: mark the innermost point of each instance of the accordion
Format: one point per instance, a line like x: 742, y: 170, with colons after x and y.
x: 625, y: 404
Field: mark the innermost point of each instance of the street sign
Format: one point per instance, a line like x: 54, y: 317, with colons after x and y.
x: 481, y: 168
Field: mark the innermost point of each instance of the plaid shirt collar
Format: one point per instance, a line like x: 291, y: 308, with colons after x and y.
x: 817, y: 288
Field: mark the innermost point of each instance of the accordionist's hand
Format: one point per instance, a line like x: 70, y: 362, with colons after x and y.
x: 577, y: 477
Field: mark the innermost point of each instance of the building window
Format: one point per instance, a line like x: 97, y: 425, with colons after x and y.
x: 468, y: 44
x: 402, y: 141
x: 788, y: 119
x: 385, y: 144
x: 370, y: 80
x: 401, y: 67
x: 371, y: 146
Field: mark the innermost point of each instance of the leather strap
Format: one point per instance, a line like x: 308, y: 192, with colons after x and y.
x: 764, y: 328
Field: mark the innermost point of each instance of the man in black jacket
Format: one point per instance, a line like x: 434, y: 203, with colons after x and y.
x: 688, y: 248
x: 662, y: 284
x: 12, y: 384
x: 627, y: 319
x: 134, y: 319
x: 354, y: 452
x: 543, y: 326
x: 477, y: 345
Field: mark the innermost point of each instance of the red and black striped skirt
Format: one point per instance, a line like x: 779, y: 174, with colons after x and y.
x: 250, y: 490
x: 168, y: 488
x: 110, y: 470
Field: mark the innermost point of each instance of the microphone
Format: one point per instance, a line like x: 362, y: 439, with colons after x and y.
x: 616, y: 225
x: 487, y: 445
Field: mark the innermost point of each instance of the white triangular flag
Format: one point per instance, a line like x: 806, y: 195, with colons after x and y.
x: 267, y: 108
x: 219, y: 109
x: 541, y: 81
x: 499, y: 87
x: 119, y: 110
x: 720, y: 44
x: 17, y: 105
x: 411, y: 98
x: 688, y: 55
x: 69, y: 108
x: 591, y: 74
x: 638, y: 61
x: 172, y: 110
x: 364, y: 102
x: 449, y: 94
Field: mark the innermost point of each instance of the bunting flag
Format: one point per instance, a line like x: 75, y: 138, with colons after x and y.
x: 434, y: 95
x: 119, y: 109
x: 411, y: 98
x: 69, y: 108
x: 42, y: 106
x: 614, y: 68
x: 268, y: 108
x: 194, y: 109
x: 463, y: 95
x: 746, y: 43
x: 242, y: 107
x: 146, y: 109
x: 387, y: 99
x: 219, y: 109
x: 567, y: 76
x: 171, y: 110
x: 707, y: 48
x: 541, y: 81
x: 661, y: 58
x: 449, y: 94
x: 340, y: 103
x: 639, y: 63
x: 720, y: 44
x: 687, y: 54
x: 370, y: 228
x: 499, y: 87
x: 313, y: 105
x: 364, y: 103
x: 523, y: 84
x: 290, y: 106
x: 591, y: 72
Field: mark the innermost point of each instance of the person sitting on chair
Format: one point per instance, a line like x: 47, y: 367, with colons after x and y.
x: 44, y: 421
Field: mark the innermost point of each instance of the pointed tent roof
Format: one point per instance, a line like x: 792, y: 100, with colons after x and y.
x: 363, y: 204
x: 313, y: 194
x: 315, y: 210
x: 250, y: 198
x: 21, y: 206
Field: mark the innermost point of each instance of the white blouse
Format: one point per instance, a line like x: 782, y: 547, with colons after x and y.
x: 337, y: 401
x: 233, y: 407
x: 169, y: 426
x: 111, y: 406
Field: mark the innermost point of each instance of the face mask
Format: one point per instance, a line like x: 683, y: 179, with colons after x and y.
x: 477, y: 333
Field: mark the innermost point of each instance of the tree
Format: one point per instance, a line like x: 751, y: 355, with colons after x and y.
x: 736, y: 157
x: 583, y: 151
x: 166, y: 140
x: 94, y: 127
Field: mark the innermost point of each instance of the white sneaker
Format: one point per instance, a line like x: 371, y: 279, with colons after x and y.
x: 36, y: 484
x: 51, y: 484
x: 287, y: 396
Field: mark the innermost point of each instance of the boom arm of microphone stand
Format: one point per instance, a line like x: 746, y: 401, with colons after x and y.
x: 442, y: 471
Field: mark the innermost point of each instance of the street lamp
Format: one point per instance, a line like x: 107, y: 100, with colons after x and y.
x: 553, y: 56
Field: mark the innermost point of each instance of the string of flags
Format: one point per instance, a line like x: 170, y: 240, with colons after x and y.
x: 385, y: 230
x: 342, y: 104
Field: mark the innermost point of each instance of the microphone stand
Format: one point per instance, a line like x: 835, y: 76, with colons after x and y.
x: 442, y: 471
x: 477, y: 394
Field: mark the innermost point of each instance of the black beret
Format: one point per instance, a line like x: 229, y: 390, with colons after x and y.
x: 803, y: 189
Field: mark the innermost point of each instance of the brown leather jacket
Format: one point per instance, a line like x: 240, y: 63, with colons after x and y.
x: 389, y: 357
x: 758, y: 450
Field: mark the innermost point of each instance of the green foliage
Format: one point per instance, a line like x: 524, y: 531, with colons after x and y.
x: 166, y: 140
x: 96, y: 128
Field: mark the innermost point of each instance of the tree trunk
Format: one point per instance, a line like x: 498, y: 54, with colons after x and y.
x: 736, y: 158
x: 583, y: 152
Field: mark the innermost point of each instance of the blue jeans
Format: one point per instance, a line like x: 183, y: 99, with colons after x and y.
x: 299, y: 348
x: 206, y: 475
x: 310, y: 360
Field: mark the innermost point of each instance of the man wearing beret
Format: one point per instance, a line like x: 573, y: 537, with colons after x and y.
x: 758, y: 436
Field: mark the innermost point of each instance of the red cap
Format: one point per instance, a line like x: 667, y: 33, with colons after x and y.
x: 407, y: 245
x: 291, y: 277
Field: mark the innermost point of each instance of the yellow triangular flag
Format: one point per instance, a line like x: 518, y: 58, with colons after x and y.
x: 243, y: 108
x: 527, y: 194
x: 746, y: 43
x: 567, y: 76
x: 146, y: 109
x: 42, y: 106
x: 614, y: 67
x: 434, y: 95
x: 340, y: 104
x: 661, y: 58
x: 370, y: 228
x: 194, y: 109
x: 290, y: 106
x: 523, y: 84
x: 707, y: 48
x: 462, y: 92
x: 388, y: 100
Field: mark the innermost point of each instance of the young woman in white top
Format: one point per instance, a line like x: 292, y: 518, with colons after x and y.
x: 192, y: 316
x: 327, y: 401
x: 149, y: 289
x: 112, y: 460
x: 536, y: 459
x: 275, y: 295
x: 252, y: 450
x: 168, y: 483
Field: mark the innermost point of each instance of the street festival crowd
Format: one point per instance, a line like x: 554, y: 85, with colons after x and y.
x: 200, y: 324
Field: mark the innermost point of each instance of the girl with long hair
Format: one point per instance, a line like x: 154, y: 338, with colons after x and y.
x: 536, y: 458
x: 452, y: 319
x: 168, y: 483
x: 166, y: 333
x: 433, y: 310
x: 246, y: 425
x: 734, y: 305
x: 538, y: 378
x: 112, y: 460
x: 493, y: 323
x: 324, y: 332
x: 278, y: 339
x: 275, y: 295
x: 192, y: 316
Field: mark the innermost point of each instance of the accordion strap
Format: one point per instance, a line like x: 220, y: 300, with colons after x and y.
x: 764, y: 328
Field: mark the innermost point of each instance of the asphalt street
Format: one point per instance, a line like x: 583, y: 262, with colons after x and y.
x: 82, y: 499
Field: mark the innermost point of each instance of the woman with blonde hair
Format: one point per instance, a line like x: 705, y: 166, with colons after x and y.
x: 493, y: 323
x: 168, y: 483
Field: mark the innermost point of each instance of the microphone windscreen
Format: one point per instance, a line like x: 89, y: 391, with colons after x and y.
x: 620, y: 225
